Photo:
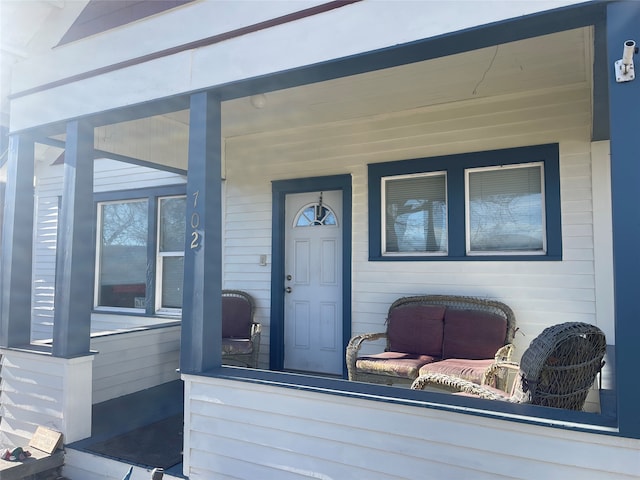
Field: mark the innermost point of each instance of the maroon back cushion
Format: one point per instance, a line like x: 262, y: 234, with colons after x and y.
x: 236, y: 318
x: 416, y: 329
x: 472, y: 334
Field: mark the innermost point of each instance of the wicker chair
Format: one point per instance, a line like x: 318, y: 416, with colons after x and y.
x: 557, y: 370
x: 240, y: 333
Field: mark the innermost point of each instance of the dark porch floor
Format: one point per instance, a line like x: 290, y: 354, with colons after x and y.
x: 143, y: 428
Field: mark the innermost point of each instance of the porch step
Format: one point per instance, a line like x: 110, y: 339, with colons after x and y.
x: 81, y: 465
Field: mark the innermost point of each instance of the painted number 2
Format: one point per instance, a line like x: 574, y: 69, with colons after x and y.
x: 195, y: 223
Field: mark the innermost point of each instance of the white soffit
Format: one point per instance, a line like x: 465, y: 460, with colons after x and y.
x: 561, y: 60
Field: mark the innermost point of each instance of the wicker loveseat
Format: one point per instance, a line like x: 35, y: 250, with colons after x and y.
x: 557, y: 370
x: 240, y: 333
x: 447, y: 334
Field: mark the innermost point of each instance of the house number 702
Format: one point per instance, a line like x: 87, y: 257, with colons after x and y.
x: 195, y: 222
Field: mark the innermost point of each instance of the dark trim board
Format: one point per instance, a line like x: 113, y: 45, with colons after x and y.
x: 623, y: 23
x: 280, y: 189
x: 99, y: 16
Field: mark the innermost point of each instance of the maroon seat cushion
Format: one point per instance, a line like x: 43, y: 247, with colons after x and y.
x: 395, y: 364
x: 472, y: 334
x: 471, y: 370
x: 236, y: 318
x: 416, y: 329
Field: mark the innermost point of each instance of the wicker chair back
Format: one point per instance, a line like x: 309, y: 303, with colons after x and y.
x: 560, y: 366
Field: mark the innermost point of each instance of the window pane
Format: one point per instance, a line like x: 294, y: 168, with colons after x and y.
x: 123, y: 254
x: 505, y: 210
x: 316, y: 215
x: 172, y: 224
x: 416, y: 214
x: 172, y: 275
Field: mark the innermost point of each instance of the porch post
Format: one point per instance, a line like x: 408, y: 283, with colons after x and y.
x: 202, y: 305
x: 17, y: 242
x: 75, y: 248
x: 623, y: 23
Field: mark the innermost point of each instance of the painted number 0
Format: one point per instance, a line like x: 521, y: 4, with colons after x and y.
x: 195, y: 223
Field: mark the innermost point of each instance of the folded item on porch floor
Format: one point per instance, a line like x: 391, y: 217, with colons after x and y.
x: 17, y: 455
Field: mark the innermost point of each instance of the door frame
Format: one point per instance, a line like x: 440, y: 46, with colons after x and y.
x: 280, y: 189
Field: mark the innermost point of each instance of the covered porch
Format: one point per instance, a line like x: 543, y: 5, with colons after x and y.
x: 237, y: 152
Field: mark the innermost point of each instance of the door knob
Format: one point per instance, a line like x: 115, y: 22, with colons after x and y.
x: 288, y: 289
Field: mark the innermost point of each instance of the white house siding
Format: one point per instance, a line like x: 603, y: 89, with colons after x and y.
x: 131, y: 361
x: 109, y: 176
x: 238, y: 430
x: 540, y: 292
x: 39, y: 390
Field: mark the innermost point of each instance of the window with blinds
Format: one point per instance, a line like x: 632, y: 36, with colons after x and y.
x: 505, y: 209
x: 415, y: 214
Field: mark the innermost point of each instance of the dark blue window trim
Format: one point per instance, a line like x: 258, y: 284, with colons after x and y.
x: 455, y: 166
x: 151, y: 194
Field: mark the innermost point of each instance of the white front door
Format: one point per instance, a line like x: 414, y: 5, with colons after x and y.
x: 313, y: 283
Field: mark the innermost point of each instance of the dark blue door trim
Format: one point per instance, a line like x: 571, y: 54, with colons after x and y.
x: 280, y: 189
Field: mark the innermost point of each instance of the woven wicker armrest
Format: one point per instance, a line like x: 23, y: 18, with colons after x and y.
x: 356, y: 342
x: 354, y: 347
x: 454, y: 384
x: 505, y: 353
x: 498, y: 374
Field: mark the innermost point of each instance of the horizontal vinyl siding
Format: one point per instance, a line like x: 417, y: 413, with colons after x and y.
x: 31, y: 395
x: 133, y: 361
x: 37, y: 390
x: 292, y: 434
x: 541, y: 293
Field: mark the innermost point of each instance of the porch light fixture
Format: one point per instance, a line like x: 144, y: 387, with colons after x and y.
x: 624, y: 67
x: 258, y: 101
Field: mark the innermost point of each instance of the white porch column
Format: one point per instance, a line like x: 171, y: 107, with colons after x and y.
x: 39, y: 389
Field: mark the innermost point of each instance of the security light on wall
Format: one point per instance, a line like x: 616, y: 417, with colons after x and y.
x: 624, y: 67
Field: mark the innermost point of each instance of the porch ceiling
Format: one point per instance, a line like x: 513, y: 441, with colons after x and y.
x: 547, y: 62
